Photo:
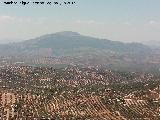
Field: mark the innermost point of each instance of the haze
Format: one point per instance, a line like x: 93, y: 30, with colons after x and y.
x: 125, y: 20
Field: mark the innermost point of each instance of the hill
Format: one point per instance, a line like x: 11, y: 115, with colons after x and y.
x: 71, y: 43
x: 64, y: 48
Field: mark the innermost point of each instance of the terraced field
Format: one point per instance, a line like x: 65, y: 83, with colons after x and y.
x: 77, y: 94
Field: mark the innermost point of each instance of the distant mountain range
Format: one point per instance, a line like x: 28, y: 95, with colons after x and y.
x: 69, y: 43
x: 65, y: 48
x: 153, y: 43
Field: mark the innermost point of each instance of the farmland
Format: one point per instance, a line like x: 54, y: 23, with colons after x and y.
x: 73, y: 92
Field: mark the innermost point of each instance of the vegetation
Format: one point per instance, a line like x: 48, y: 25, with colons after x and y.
x: 75, y: 92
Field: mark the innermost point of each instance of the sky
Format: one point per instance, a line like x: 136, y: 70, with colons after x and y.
x: 119, y: 20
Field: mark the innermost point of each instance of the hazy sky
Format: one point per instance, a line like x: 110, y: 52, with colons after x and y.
x: 121, y: 20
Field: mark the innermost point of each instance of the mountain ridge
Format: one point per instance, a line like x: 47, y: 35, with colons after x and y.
x: 67, y: 43
x: 71, y: 47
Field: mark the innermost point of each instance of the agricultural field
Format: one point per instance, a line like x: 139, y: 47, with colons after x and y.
x: 77, y: 93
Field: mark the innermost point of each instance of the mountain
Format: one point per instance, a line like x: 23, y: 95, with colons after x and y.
x: 64, y: 48
x: 69, y: 43
x: 152, y: 43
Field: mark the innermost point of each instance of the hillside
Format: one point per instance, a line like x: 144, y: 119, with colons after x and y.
x: 71, y: 43
x: 74, y: 93
x: 64, y: 48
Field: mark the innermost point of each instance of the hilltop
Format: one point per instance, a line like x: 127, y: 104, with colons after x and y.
x: 71, y: 43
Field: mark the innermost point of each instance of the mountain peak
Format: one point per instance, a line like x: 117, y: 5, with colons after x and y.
x: 67, y: 33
